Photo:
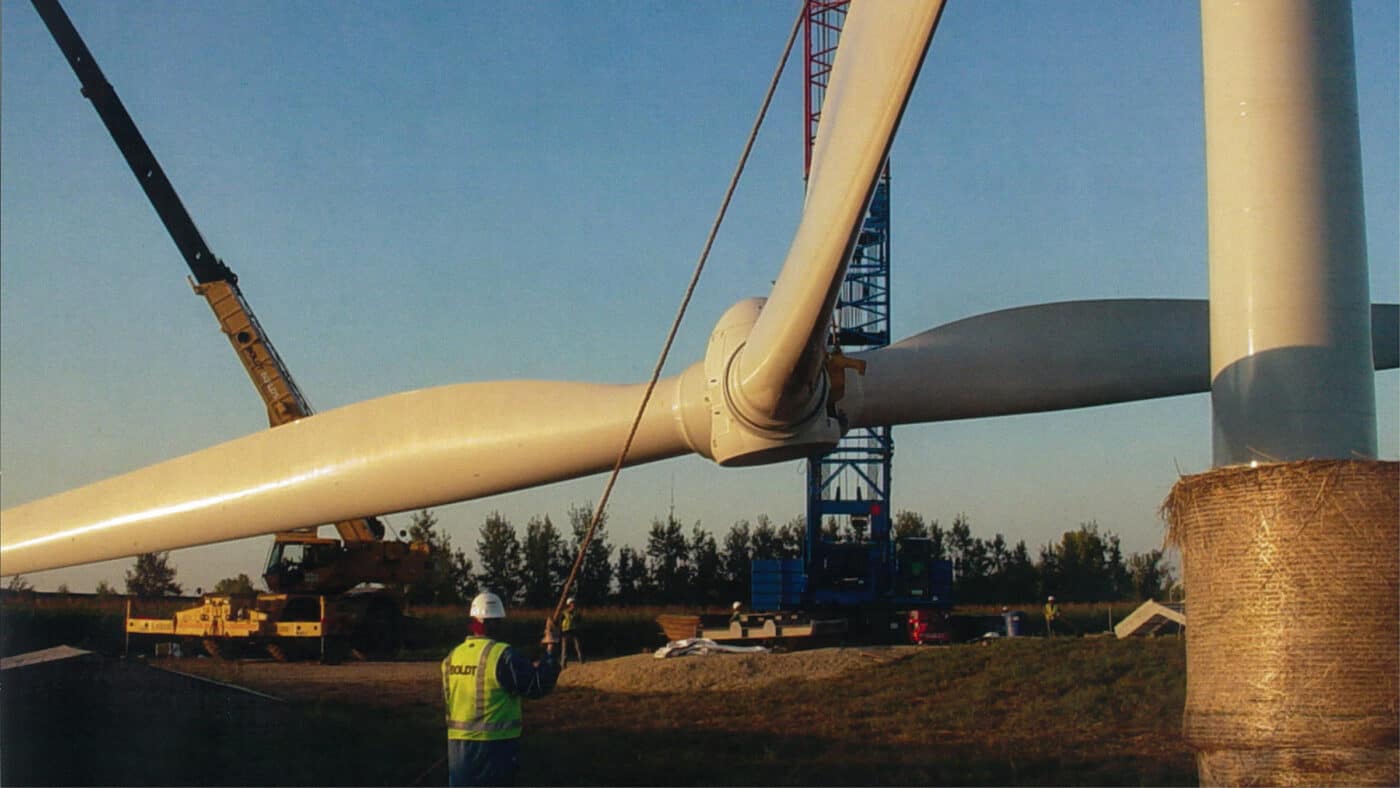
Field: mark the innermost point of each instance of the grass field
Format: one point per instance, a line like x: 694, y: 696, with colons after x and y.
x: 1028, y: 712
x: 1068, y: 711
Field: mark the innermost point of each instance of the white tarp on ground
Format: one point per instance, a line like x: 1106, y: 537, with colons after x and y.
x: 1151, y: 617
x: 701, y: 647
x: 44, y: 655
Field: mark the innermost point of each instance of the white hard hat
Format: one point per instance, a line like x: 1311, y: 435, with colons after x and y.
x: 1052, y: 598
x: 487, y: 605
x: 569, y: 601
x: 737, y: 605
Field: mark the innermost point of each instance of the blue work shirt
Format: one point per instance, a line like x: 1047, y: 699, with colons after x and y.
x: 496, y: 762
x: 519, y: 676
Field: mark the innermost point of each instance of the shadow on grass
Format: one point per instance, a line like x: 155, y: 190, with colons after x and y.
x: 602, y: 756
x: 110, y: 722
x: 1072, y: 712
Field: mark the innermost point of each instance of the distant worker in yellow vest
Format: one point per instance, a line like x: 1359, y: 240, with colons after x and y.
x: 737, y: 617
x: 569, y: 626
x: 1052, y: 614
x: 483, y: 683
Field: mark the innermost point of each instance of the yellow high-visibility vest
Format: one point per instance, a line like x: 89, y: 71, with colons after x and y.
x: 478, y: 709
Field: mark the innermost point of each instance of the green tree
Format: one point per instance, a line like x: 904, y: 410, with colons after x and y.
x: 448, y: 579
x: 765, y: 543
x: 939, y: 539
x: 1150, y: 577
x: 105, y: 589
x: 152, y: 576
x: 704, y: 567
x: 910, y: 525
x: 792, y: 537
x: 1020, y: 582
x: 235, y: 585
x: 18, y: 583
x: 631, y: 576
x: 499, y: 551
x: 1120, y: 583
x: 735, y: 561
x: 1085, y: 567
x: 965, y: 551
x: 998, y: 555
x: 959, y: 541
x: 594, y: 583
x: 668, y: 561
x: 546, y: 562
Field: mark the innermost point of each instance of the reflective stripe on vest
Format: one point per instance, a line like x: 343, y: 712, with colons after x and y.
x: 478, y: 708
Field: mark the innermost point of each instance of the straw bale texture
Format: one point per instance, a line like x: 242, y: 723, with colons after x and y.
x: 1292, y: 572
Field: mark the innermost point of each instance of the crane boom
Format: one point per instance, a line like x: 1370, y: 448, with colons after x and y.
x: 212, y: 279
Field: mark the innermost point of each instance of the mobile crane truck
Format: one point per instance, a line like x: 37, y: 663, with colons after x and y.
x: 326, y: 595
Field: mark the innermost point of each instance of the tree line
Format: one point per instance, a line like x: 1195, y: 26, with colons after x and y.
x: 680, y: 565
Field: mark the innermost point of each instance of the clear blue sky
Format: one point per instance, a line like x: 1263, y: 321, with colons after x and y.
x: 429, y: 193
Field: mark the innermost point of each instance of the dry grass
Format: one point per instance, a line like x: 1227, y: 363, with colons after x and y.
x: 1072, y: 711
x: 1029, y: 711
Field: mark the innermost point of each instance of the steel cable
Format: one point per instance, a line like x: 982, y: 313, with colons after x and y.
x: 680, y: 314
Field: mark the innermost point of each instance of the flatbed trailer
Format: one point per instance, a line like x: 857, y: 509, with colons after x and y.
x: 751, y: 626
x: 330, y: 627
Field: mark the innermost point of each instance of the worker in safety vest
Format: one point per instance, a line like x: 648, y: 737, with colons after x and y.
x: 568, y: 625
x: 736, y: 617
x: 1052, y: 614
x: 483, y: 683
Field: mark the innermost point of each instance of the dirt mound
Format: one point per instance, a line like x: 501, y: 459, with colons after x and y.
x: 394, y: 684
x: 644, y: 673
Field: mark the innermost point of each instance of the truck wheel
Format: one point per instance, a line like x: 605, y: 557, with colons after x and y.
x: 378, y: 632
x: 335, y: 651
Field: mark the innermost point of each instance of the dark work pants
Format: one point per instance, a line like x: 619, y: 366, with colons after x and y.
x: 482, y: 762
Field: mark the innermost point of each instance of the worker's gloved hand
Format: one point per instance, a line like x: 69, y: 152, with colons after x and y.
x: 551, y: 632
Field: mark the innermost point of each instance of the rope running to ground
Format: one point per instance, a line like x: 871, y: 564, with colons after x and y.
x: 675, y: 324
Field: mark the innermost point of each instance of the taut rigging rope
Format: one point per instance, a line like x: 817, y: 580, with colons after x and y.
x: 680, y: 314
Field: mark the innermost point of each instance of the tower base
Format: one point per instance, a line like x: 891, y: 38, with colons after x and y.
x: 1292, y: 573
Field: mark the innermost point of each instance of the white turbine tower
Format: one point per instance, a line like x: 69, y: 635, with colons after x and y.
x: 1289, y: 292
x: 1288, y: 683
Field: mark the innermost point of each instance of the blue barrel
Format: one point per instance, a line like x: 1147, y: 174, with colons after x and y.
x: 1013, y: 623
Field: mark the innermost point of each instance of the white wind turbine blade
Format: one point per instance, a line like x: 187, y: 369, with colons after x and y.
x: 882, y: 47
x: 455, y: 443
x: 1046, y: 357
x: 406, y: 451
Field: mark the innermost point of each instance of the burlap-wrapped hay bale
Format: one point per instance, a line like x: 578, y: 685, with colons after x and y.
x: 1292, y: 575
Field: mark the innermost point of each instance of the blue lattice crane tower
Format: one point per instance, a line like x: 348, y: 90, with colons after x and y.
x: 852, y: 568
x: 848, y: 489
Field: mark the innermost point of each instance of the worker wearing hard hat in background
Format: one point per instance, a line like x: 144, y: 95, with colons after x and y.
x: 483, y: 682
x: 568, y: 625
x: 1052, y: 614
x: 736, y: 616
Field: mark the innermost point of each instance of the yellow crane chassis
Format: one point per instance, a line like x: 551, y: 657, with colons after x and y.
x: 336, y: 625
